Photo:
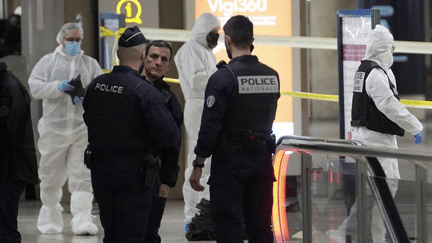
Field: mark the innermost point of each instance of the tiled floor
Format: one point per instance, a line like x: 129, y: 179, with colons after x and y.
x: 171, y: 231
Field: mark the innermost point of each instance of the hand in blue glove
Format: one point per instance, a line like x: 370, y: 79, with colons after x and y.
x: 418, y: 138
x: 65, y: 86
x: 78, y: 100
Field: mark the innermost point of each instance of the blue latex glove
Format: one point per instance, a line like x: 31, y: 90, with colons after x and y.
x: 418, y: 138
x: 65, y: 86
x: 78, y: 100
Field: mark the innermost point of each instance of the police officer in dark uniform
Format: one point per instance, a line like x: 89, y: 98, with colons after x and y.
x: 127, y: 119
x: 236, y: 128
x: 156, y: 63
x: 18, y: 164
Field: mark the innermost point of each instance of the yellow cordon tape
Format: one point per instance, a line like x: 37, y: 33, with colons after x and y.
x: 308, y: 42
x: 311, y: 96
x: 104, y: 32
x: 171, y: 80
x: 296, y: 42
x: 335, y: 98
x: 417, y: 103
x: 326, y: 97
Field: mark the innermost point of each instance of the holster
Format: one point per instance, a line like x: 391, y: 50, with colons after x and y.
x: 88, y: 157
x: 152, y: 165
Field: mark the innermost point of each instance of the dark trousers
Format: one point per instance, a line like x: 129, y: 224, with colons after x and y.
x: 10, y: 193
x: 250, y: 199
x: 124, y: 202
x: 155, y: 218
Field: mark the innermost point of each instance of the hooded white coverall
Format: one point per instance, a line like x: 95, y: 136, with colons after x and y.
x: 195, y: 63
x: 63, y: 139
x: 379, y: 50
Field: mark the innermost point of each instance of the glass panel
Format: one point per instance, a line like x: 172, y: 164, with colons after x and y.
x: 332, y: 192
x: 405, y: 201
x: 333, y: 199
x: 428, y: 188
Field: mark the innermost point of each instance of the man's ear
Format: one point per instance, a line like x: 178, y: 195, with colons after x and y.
x: 227, y: 40
x: 143, y: 55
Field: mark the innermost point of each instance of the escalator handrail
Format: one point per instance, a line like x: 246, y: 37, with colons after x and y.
x: 364, y: 150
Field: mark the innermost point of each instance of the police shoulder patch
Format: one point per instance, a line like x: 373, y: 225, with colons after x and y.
x: 210, y: 101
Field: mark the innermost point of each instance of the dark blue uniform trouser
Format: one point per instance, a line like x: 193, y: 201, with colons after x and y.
x: 155, y: 218
x: 124, y: 202
x: 10, y: 192
x: 251, y: 198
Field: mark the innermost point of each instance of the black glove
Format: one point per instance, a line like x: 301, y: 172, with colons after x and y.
x: 79, y: 91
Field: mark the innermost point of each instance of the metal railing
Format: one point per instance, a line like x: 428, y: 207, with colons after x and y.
x: 363, y: 155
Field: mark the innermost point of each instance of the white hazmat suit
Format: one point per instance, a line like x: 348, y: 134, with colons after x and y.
x: 195, y: 63
x: 379, y: 49
x: 63, y: 139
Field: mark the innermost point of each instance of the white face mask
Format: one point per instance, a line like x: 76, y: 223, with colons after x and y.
x: 389, y: 59
x: 72, y: 47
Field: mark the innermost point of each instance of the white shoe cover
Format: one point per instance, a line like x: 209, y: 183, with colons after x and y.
x: 82, y: 224
x: 50, y: 220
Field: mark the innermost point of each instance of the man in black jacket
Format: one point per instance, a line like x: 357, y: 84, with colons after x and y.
x: 236, y: 126
x: 156, y: 63
x: 126, y: 117
x: 18, y: 164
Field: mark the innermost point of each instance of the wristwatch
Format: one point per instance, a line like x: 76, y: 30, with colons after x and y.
x: 196, y: 165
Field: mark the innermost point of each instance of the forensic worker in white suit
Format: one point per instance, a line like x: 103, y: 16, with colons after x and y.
x: 378, y: 117
x: 195, y: 63
x: 63, y: 134
x: 386, y: 116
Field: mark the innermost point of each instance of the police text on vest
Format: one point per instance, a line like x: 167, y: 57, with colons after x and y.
x: 258, y: 84
x: 109, y: 88
x: 359, y: 82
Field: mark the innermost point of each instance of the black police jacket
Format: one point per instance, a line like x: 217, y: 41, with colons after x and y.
x: 251, y: 90
x: 252, y: 105
x: 238, y: 101
x: 17, y: 149
x: 125, y: 112
x: 169, y: 156
x: 364, y: 111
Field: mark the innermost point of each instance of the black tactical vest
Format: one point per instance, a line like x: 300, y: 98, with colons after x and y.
x: 253, y: 106
x: 110, y: 118
x: 364, y: 111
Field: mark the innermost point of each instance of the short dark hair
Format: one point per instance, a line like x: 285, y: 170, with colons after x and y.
x: 240, y: 30
x: 160, y: 43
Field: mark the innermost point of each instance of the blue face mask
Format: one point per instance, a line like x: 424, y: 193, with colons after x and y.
x: 72, y: 48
